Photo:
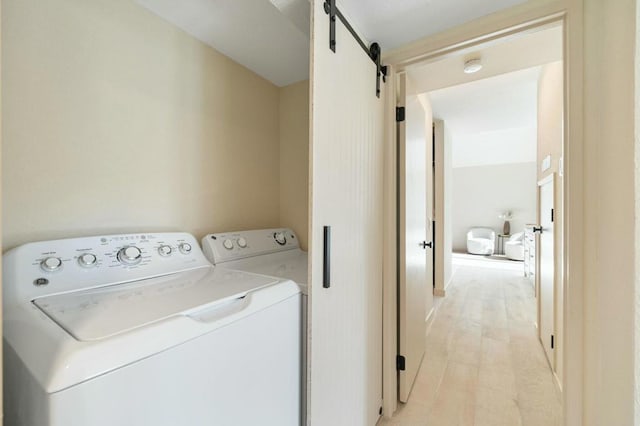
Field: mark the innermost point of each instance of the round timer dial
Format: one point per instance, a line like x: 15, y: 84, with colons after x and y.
x: 130, y: 255
x: 164, y: 250
x: 87, y: 260
x: 280, y: 238
x: 51, y: 264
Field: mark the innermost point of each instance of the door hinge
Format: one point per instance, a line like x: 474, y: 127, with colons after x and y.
x: 552, y: 341
x: 400, y: 363
x: 399, y: 114
x: 380, y: 411
x: 552, y: 215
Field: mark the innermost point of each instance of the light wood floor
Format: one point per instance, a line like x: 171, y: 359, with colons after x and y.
x: 483, y: 364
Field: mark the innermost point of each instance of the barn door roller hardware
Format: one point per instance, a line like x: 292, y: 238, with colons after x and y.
x: 374, y: 52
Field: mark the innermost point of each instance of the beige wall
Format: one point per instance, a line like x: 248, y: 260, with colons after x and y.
x: 294, y: 159
x: 480, y: 194
x: 550, y: 116
x: 550, y: 140
x: 116, y: 121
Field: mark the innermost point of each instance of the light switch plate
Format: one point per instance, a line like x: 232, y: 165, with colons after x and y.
x: 546, y: 163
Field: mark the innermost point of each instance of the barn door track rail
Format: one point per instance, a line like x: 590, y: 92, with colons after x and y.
x: 374, y: 52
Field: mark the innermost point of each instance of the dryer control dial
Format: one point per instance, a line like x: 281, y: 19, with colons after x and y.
x: 87, y: 260
x: 130, y: 255
x: 51, y: 264
x: 280, y: 238
x: 242, y: 242
x: 164, y: 250
x: 228, y: 244
x: 185, y: 248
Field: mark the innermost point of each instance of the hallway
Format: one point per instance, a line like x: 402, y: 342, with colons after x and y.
x: 483, y: 364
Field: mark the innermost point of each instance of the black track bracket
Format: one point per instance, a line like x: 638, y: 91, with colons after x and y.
x: 374, y: 51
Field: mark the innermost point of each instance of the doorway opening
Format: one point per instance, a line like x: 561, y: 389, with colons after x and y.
x: 507, y: 171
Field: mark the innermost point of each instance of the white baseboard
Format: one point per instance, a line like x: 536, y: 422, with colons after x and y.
x: 442, y: 292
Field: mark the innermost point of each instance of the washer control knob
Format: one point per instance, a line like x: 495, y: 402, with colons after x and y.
x: 185, y: 248
x: 280, y: 238
x: 51, y: 264
x: 87, y: 260
x: 165, y: 250
x: 228, y: 244
x: 242, y: 242
x: 130, y: 255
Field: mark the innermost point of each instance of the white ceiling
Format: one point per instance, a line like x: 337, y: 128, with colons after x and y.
x: 271, y: 37
x: 507, y: 100
x: 490, y: 115
x: 393, y: 23
x: 515, y: 53
x: 491, y: 121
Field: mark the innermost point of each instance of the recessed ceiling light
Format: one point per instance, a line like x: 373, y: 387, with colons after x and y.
x: 473, y: 65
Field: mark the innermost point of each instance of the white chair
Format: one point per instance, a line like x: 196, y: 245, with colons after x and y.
x: 514, y: 247
x: 481, y: 241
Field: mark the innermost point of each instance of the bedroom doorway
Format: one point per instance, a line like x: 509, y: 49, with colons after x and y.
x: 473, y: 334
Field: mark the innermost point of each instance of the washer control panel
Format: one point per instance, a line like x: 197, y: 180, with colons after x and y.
x: 227, y: 246
x: 280, y: 238
x: 88, y: 260
x: 51, y: 263
x: 49, y: 267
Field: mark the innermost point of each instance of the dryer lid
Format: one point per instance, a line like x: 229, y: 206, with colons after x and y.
x: 102, y: 312
x: 291, y: 264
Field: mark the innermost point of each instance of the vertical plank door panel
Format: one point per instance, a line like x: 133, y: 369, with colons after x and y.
x: 346, y: 193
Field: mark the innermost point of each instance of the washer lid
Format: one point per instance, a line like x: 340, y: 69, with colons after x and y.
x: 106, y: 311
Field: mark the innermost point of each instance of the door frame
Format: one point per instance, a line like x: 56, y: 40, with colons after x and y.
x: 511, y: 22
x: 441, y: 250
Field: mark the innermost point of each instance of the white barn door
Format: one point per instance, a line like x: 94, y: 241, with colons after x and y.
x: 346, y: 175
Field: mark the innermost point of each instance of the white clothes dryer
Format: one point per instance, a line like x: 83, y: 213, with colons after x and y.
x: 273, y: 252
x: 142, y: 330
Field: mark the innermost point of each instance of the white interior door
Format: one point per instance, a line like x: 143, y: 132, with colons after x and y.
x: 415, y: 215
x: 346, y: 154
x: 546, y: 265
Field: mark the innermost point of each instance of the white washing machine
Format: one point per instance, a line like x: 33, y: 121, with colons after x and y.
x: 273, y: 252
x: 142, y: 330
